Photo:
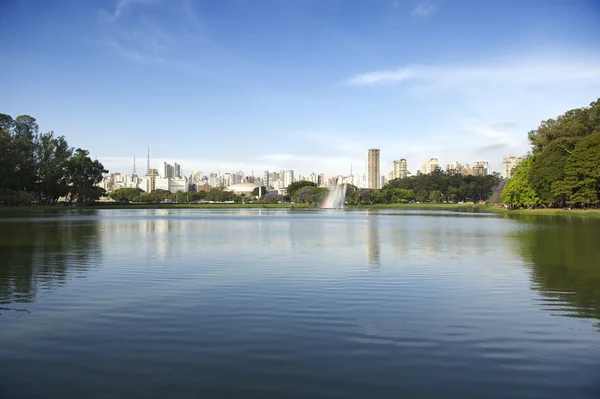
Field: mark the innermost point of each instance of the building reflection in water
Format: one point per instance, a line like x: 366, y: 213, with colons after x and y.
x: 372, y: 243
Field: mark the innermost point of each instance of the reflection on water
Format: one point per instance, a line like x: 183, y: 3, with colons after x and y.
x: 179, y: 303
x: 565, y: 263
x: 41, y: 256
x: 372, y: 241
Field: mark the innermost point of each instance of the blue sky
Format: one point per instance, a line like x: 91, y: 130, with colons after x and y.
x: 306, y: 85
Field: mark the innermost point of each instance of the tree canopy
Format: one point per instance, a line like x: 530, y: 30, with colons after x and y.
x: 564, y: 166
x: 437, y: 186
x: 42, y: 167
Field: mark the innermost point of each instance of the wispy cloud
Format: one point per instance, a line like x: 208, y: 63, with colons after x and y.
x: 122, y: 5
x: 174, y: 40
x: 424, y: 9
x: 526, y: 72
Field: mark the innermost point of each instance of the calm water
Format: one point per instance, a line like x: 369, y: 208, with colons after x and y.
x: 272, y: 303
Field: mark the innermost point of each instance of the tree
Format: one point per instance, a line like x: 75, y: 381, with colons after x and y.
x: 297, y: 185
x: 518, y: 190
x: 263, y: 191
x: 51, y: 159
x: 402, y: 195
x: 548, y: 167
x: 126, y: 194
x: 83, y: 176
x: 582, y: 172
x: 24, y: 131
x: 436, y: 196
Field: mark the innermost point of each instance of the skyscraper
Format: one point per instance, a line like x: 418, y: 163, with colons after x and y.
x: 287, y: 177
x: 372, y: 165
x: 400, y: 169
x: 266, y: 181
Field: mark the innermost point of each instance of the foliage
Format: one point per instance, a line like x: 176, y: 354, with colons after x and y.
x: 436, y: 186
x: 41, y: 167
x: 518, y: 191
x: 564, y: 166
x: 310, y: 195
x: 272, y: 197
x: 581, y: 184
x: 297, y: 185
x: 263, y: 191
x: 578, y: 122
x: 127, y: 194
x: 548, y: 166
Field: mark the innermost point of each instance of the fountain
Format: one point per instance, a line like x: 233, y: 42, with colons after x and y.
x: 336, y: 197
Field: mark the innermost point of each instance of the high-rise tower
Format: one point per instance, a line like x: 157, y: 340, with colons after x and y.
x: 372, y: 166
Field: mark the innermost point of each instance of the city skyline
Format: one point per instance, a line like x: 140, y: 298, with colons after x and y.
x: 309, y: 85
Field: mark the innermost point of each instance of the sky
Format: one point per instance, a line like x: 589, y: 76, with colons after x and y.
x: 307, y: 85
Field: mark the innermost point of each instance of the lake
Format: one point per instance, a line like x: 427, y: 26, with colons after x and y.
x: 306, y: 303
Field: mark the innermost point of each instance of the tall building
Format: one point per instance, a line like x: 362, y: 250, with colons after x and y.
x: 400, y: 170
x: 454, y: 168
x: 321, y: 179
x: 508, y: 164
x: 266, y: 181
x: 372, y: 166
x: 151, y: 180
x: 480, y: 168
x: 429, y: 166
x: 196, y: 177
x: 166, y: 171
x: 287, y: 177
x: 176, y: 170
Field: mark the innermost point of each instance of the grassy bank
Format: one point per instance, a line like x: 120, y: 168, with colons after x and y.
x: 488, y: 208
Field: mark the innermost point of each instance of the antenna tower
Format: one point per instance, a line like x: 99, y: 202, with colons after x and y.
x: 134, y: 171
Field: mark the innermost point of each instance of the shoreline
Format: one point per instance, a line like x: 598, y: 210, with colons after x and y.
x: 590, y: 213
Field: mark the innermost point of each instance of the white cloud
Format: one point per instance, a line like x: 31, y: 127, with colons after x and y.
x: 424, y: 9
x: 524, y: 72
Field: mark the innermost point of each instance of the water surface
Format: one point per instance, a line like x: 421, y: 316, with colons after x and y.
x: 273, y: 303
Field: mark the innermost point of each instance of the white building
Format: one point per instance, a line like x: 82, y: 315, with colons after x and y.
x: 372, y: 168
x: 429, y: 166
x: 178, y: 184
x: 400, y: 170
x: 161, y: 183
x: 508, y: 164
x: 454, y: 168
x: 287, y: 177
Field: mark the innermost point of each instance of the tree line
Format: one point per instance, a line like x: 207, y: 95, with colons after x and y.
x: 41, y: 167
x: 437, y: 186
x: 216, y: 194
x: 563, y: 168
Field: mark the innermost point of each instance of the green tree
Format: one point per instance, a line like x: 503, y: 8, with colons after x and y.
x: 518, y: 191
x: 263, y: 191
x: 436, y: 196
x: 24, y: 131
x: 51, y: 155
x: 402, y: 195
x: 548, y: 166
x: 297, y: 185
x: 582, y: 172
x: 83, y: 176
